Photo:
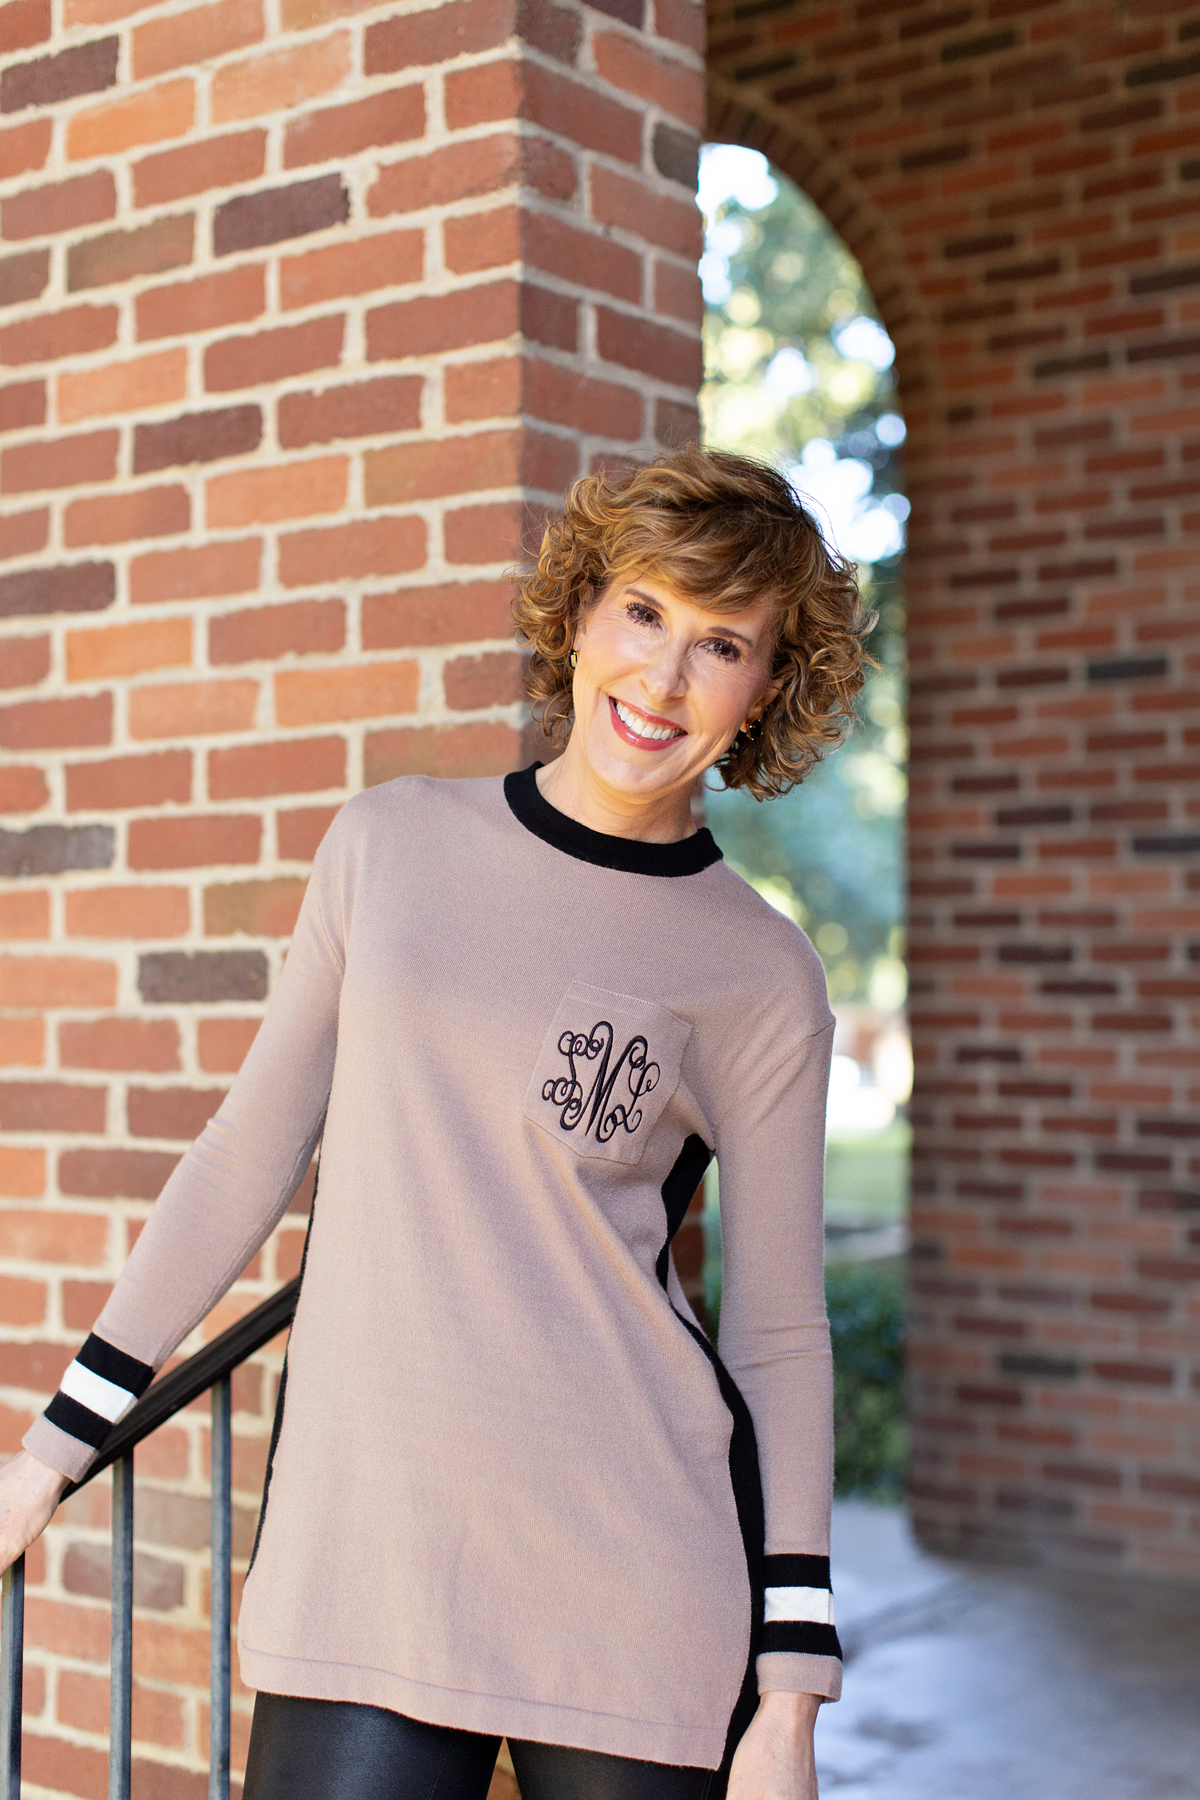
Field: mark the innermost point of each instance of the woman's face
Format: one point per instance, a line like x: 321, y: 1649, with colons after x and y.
x: 662, y: 686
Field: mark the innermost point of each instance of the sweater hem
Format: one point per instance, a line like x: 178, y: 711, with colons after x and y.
x: 58, y: 1449
x: 796, y: 1672
x: 541, y: 1722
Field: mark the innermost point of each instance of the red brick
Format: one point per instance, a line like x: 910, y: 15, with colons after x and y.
x: 455, y: 613
x: 51, y: 1106
x: 24, y: 147
x: 122, y: 518
x: 291, y: 767
x: 127, y: 912
x: 116, y: 650
x: 192, y: 708
x: 280, y: 78
x: 57, y: 724
x: 564, y: 106
x: 189, y: 38
x: 223, y: 1044
x: 22, y: 1177
x: 630, y: 205
x: 144, y: 117
x: 149, y: 1045
x: 178, y: 1112
x: 382, y: 546
x: 485, y: 240
x: 59, y: 462
x: 194, y: 843
x: 635, y: 343
x: 364, y: 409
x: 389, y: 259
x: 23, y: 661
x: 22, y: 403
x: 299, y: 831
x: 584, y: 258
x: 206, y: 572
x: 677, y: 293
x: 114, y: 1174
x: 122, y: 387
x: 362, y: 691
x: 542, y: 390
x: 403, y: 473
x: 22, y: 790
x: 415, y: 40
x: 266, y: 496
x: 662, y: 81
x: 486, y: 534
x: 337, y: 132
x: 22, y: 1302
x: 24, y: 23
x: 461, y: 750
x: 228, y: 298
x: 267, y: 633
x: 258, y: 908
x: 430, y: 323
x: 196, y: 168
x: 273, y: 355
x: 456, y: 171
x: 57, y: 981
x: 129, y: 781
x: 59, y: 206
x: 72, y: 332
x: 492, y: 679
x: 25, y: 914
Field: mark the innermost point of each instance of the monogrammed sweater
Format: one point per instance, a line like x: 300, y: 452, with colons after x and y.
x: 513, y: 1489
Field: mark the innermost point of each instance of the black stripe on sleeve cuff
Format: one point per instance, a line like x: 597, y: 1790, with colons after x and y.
x: 78, y: 1421
x: 808, y: 1639
x: 114, y: 1365
x: 796, y: 1571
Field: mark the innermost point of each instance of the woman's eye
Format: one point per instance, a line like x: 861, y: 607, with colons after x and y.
x: 642, y: 615
x: 725, y: 650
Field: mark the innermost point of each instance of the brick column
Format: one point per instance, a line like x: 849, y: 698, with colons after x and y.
x: 307, y: 311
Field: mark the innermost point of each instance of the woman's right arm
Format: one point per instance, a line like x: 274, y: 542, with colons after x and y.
x: 224, y: 1198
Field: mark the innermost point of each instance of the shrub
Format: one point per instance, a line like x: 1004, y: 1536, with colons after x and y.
x: 866, y: 1323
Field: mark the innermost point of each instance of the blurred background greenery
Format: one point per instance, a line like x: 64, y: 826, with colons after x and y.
x: 799, y: 372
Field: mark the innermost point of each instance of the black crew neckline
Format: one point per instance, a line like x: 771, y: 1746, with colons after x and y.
x: 633, y: 856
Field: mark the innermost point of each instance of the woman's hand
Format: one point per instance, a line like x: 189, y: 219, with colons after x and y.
x: 774, y: 1760
x: 29, y: 1492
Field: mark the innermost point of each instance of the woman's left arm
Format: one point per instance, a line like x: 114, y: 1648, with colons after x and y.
x: 775, y: 1759
x: 774, y: 1341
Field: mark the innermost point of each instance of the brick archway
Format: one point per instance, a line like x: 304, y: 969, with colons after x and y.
x: 1017, y: 183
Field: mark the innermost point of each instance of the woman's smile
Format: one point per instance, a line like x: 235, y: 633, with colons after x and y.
x: 647, y: 730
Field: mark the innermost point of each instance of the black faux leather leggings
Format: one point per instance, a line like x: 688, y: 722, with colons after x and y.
x: 336, y: 1750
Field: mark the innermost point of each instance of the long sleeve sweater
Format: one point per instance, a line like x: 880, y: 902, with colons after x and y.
x: 513, y: 1487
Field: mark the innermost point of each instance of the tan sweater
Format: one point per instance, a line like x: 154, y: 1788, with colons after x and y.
x: 513, y: 1490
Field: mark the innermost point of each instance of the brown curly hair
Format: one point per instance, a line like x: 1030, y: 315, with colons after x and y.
x: 727, y: 532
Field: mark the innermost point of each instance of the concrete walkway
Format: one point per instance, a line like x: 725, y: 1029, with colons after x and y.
x: 970, y: 1683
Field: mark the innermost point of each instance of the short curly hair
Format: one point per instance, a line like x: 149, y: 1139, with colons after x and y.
x: 727, y: 532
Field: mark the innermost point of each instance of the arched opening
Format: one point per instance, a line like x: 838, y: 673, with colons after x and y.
x: 800, y: 371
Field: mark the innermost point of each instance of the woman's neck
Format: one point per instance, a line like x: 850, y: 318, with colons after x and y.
x: 572, y: 786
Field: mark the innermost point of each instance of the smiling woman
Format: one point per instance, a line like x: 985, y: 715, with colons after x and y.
x: 683, y: 617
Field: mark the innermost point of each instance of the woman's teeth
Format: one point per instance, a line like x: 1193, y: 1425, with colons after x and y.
x: 640, y: 727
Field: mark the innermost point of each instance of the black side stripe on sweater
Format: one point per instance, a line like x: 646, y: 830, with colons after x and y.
x: 97, y: 1389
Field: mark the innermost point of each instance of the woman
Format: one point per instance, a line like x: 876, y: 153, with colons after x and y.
x: 512, y: 1490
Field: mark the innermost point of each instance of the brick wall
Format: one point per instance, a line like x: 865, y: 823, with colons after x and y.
x: 305, y: 309
x: 1021, y: 181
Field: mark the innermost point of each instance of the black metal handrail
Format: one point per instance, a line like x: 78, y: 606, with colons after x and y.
x: 210, y: 1368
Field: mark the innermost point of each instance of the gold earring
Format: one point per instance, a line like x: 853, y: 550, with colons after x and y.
x: 573, y: 659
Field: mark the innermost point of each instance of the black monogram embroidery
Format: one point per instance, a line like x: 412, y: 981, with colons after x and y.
x: 603, y: 1113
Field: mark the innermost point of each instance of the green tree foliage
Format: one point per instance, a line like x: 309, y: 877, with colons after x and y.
x: 866, y: 1323
x: 798, y: 372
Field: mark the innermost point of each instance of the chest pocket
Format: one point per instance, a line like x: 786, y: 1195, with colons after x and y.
x: 607, y: 1067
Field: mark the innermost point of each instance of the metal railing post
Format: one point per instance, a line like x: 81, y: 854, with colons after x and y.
x: 220, y: 1597
x: 12, y: 1670
x: 120, y: 1700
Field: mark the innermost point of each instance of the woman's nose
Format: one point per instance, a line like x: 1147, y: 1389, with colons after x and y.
x: 664, y: 673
